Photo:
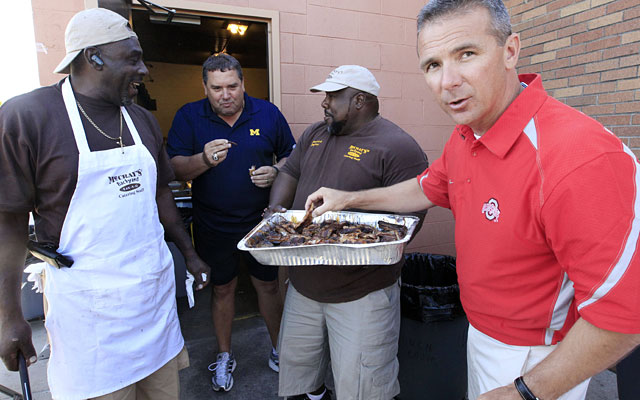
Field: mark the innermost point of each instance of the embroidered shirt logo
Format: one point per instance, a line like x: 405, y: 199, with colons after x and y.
x: 316, y: 143
x: 254, y: 132
x: 355, y: 152
x: 491, y: 210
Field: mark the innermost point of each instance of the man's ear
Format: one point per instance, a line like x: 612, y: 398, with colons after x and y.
x: 360, y: 100
x: 92, y: 57
x: 512, y: 51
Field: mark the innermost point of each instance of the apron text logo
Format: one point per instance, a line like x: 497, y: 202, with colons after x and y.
x: 126, y: 179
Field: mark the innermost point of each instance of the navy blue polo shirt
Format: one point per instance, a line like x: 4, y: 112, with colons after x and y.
x: 224, y: 198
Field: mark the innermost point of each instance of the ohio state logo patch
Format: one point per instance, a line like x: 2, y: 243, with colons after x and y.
x: 491, y: 210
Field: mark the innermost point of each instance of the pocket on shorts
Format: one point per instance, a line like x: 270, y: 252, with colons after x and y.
x: 379, y: 374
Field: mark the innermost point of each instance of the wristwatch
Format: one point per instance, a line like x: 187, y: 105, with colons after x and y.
x: 524, y: 390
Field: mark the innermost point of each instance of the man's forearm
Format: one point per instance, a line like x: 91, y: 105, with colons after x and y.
x: 402, y: 197
x: 283, y: 191
x: 172, y: 222
x: 13, y: 236
x: 584, y: 352
x: 188, y: 168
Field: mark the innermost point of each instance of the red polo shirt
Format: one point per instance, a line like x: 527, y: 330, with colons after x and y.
x: 546, y: 221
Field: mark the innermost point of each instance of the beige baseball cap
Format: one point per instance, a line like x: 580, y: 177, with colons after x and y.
x: 92, y: 27
x: 353, y: 76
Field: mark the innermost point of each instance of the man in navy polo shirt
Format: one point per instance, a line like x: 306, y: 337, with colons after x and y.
x: 226, y: 143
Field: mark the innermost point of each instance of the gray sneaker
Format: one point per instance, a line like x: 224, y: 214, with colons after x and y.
x: 274, y: 360
x: 222, y: 369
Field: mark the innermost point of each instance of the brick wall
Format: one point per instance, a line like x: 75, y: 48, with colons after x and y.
x: 588, y: 53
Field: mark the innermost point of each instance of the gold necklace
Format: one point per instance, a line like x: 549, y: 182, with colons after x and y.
x: 117, y: 139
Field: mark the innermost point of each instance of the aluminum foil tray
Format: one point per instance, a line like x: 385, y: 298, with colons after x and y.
x: 384, y: 253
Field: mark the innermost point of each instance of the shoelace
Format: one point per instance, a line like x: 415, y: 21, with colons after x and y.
x: 221, y: 372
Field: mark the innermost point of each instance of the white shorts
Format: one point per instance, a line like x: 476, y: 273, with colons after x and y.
x: 360, y: 338
x: 492, y: 364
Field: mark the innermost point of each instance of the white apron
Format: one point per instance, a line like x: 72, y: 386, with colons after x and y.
x: 492, y: 364
x: 112, y: 317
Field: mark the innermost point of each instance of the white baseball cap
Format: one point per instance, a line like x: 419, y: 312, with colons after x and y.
x: 353, y: 76
x: 92, y: 27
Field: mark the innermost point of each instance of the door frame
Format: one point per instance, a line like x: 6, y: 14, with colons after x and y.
x: 270, y: 17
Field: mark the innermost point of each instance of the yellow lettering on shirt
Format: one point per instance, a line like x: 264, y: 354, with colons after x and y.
x: 254, y: 132
x: 355, y: 152
x: 316, y: 143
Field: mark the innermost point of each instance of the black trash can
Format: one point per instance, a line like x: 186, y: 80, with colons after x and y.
x: 627, y: 373
x: 433, y: 330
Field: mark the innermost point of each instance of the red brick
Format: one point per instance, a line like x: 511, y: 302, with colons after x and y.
x: 588, y: 36
x: 586, y: 58
x: 619, y: 74
x: 572, y: 29
x: 584, y: 79
x: 523, y: 62
x: 530, y: 69
x: 556, y: 5
x: 581, y: 100
x: 522, y: 26
x: 590, y: 14
x: 620, y: 5
x: 621, y: 51
x: 628, y: 131
x: 545, y: 19
x: 531, y: 32
x: 621, y: 27
x: 615, y: 97
x: 558, y: 24
x: 603, y: 43
x: 607, y: 87
x: 556, y: 64
x: 599, y: 110
x: 636, y: 120
x: 602, y: 65
x: 529, y: 5
x: 632, y: 142
x: 529, y: 51
x: 540, y: 39
x: 612, y: 120
x: 516, y: 19
x: 512, y: 3
x: 631, y: 60
x: 571, y: 51
x: 630, y: 107
x: 555, y: 83
x: 572, y: 71
x: 631, y: 13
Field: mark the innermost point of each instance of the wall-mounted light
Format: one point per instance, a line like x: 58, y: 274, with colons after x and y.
x: 237, y: 29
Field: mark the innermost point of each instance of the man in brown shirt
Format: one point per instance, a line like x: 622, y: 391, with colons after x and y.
x: 89, y: 164
x: 350, y: 315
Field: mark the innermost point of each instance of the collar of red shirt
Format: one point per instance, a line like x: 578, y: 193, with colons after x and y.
x: 503, y: 134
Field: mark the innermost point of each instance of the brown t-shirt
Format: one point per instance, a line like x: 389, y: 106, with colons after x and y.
x: 39, y: 156
x: 378, y: 154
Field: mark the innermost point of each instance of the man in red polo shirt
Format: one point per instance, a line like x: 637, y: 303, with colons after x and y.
x: 546, y: 213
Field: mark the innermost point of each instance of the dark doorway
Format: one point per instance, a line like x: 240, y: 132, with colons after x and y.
x: 174, y: 52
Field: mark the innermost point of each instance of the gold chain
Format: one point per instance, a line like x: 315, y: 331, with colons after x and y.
x: 117, y: 139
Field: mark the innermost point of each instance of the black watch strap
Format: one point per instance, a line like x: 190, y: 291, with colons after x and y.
x: 524, y: 390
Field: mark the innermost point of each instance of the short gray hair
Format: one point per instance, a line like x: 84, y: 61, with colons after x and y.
x: 221, y: 62
x: 500, y: 20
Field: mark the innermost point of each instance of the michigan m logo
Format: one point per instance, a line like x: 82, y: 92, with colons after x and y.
x: 254, y: 132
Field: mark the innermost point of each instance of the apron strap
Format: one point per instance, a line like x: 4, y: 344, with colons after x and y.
x: 76, y: 122
x: 74, y: 117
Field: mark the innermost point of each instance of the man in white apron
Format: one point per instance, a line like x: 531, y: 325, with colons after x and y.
x: 95, y: 175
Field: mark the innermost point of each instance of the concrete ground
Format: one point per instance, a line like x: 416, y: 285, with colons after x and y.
x: 253, y: 378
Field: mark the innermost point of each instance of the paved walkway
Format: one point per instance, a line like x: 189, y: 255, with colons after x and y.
x: 253, y: 378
